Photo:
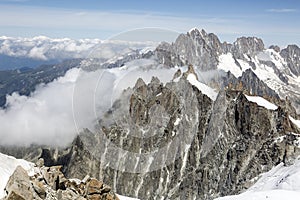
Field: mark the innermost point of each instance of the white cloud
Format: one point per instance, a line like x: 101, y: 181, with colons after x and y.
x: 44, y: 48
x: 37, y: 53
x: 281, y: 10
x: 42, y: 117
x: 52, y: 114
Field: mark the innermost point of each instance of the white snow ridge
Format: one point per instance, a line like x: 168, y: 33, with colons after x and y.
x: 296, y: 122
x: 262, y: 102
x: 121, y: 197
x: 211, y: 93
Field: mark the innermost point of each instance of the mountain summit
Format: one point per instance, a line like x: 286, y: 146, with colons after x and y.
x: 278, y: 69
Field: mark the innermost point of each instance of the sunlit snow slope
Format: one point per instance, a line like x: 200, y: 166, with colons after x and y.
x: 271, y: 74
x: 282, y: 182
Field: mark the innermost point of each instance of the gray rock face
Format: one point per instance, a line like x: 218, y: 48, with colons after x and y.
x: 188, y: 146
x: 155, y: 109
x: 196, y: 47
x: 275, y: 47
x: 291, y: 54
x: 254, y: 85
x: 31, y: 153
x: 167, y: 56
x: 246, y: 144
x: 18, y: 186
x: 247, y: 45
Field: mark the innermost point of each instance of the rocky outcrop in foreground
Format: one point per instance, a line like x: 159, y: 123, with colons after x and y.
x: 50, y: 183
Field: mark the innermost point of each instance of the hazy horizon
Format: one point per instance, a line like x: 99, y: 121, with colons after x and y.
x: 275, y: 23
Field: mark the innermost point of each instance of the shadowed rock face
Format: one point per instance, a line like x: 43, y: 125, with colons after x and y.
x: 254, y: 85
x: 189, y: 146
x: 275, y: 47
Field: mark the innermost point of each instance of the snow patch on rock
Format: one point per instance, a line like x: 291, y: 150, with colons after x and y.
x: 262, y: 102
x: 211, y: 93
x: 296, y: 122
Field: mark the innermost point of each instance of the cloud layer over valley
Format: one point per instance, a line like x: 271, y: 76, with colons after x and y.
x: 55, y: 112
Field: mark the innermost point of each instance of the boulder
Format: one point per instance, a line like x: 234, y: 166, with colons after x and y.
x: 94, y: 187
x: 39, y: 188
x: 18, y: 186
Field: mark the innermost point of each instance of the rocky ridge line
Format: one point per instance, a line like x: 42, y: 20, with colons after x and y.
x: 49, y: 183
x: 235, y: 141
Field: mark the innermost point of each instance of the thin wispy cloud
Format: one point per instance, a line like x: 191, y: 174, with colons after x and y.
x: 30, y: 21
x: 281, y: 10
x: 14, y: 1
x: 106, y: 21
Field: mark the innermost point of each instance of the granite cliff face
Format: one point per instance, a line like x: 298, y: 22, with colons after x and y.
x: 171, y: 141
x: 249, y: 46
x: 196, y: 47
x: 292, y: 54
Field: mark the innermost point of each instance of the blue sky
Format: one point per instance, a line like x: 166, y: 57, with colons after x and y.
x: 276, y: 21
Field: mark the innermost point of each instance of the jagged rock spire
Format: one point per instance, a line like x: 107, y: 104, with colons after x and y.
x: 190, y: 70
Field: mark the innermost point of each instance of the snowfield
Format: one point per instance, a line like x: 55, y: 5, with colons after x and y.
x: 281, y: 182
x: 269, y: 195
x: 227, y: 63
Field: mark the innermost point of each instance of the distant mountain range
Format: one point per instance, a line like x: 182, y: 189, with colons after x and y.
x: 28, y: 62
x: 17, y: 53
x: 25, y: 80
